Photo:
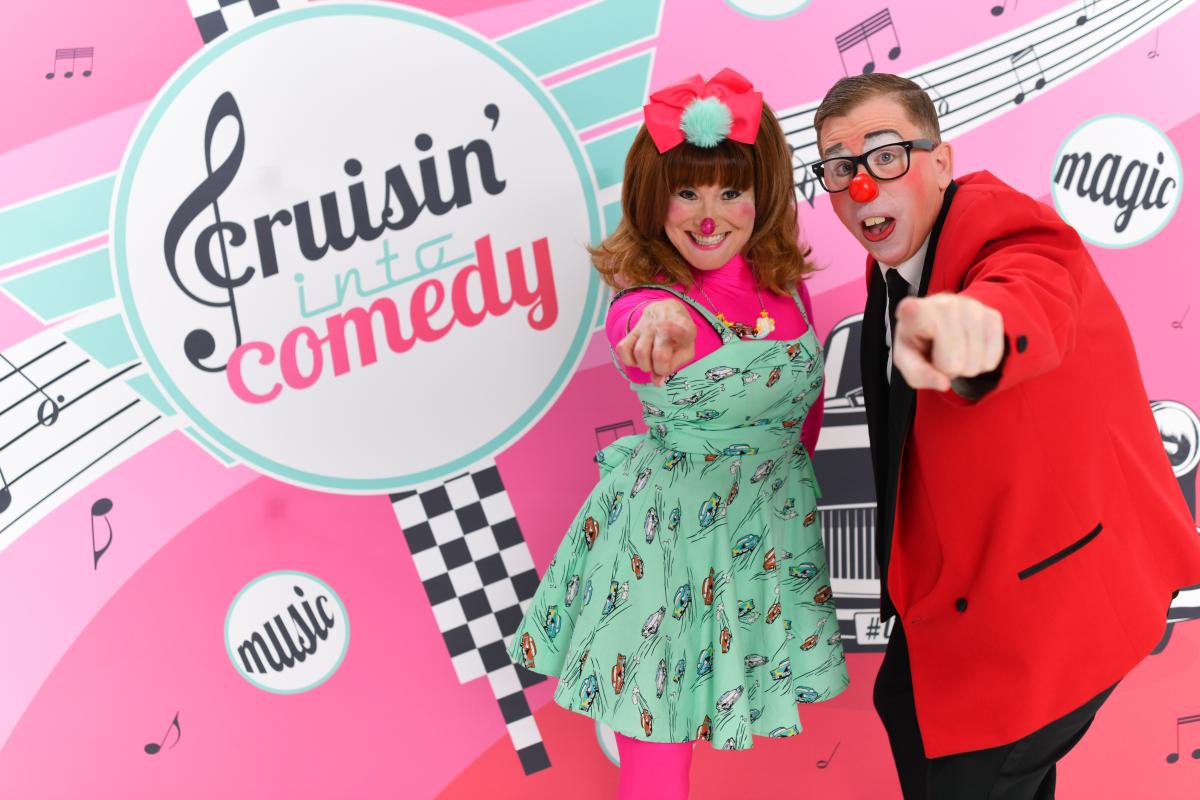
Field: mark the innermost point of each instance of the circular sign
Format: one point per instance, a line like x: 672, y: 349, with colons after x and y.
x: 768, y: 9
x: 1117, y: 180
x: 286, y: 632
x: 350, y: 244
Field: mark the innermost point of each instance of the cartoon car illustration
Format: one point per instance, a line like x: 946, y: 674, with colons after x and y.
x: 651, y: 524
x: 704, y: 661
x: 553, y: 622
x: 618, y: 674
x: 726, y: 638
x: 805, y: 571
x: 705, y: 730
x: 740, y: 450
x: 769, y: 560
x: 647, y: 721
x: 653, y: 622
x: 636, y: 565
x: 590, y: 530
x: 683, y: 599
x: 745, y: 544
x: 842, y: 460
x: 528, y: 649
x: 615, y: 510
x: 720, y: 373
x: 847, y: 509
x: 708, y: 510
x: 706, y: 588
x: 588, y: 692
x: 805, y: 694
x: 727, y: 700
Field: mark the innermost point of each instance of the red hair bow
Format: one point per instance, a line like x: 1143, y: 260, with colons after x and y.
x: 666, y: 107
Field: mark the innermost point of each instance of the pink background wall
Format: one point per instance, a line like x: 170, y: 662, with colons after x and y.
x: 98, y: 661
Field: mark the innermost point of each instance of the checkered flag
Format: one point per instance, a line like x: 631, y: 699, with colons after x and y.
x: 215, y: 17
x: 479, y: 576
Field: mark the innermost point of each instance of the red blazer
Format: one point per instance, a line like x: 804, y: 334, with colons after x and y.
x: 1037, y: 534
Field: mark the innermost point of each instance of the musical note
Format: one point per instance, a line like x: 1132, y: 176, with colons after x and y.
x: 1084, y: 16
x: 1178, y: 323
x: 72, y: 53
x: 100, y: 420
x: 939, y: 102
x: 1154, y: 53
x: 807, y: 186
x: 1022, y: 58
x: 616, y: 430
x: 824, y: 762
x: 1179, y: 723
x: 862, y: 33
x: 998, y: 10
x: 100, y: 508
x: 46, y: 418
x: 154, y: 747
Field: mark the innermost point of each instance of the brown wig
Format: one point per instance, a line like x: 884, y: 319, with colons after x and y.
x: 638, y: 252
x: 849, y: 93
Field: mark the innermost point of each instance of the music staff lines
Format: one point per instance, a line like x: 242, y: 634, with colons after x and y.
x: 67, y: 405
x: 1014, y: 45
x: 1004, y: 43
x: 17, y: 371
x: 1052, y: 78
x: 1047, y: 55
x: 78, y: 438
x: 1077, y: 49
x: 82, y: 470
x: 1007, y: 43
x: 44, y: 386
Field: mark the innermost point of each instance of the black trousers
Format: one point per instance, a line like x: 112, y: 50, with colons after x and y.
x: 1022, y: 770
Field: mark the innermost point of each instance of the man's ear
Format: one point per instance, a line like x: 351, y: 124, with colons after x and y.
x: 943, y: 161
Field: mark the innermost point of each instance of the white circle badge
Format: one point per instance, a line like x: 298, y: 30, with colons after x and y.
x: 1117, y: 180
x: 768, y: 9
x: 350, y: 242
x: 287, y: 632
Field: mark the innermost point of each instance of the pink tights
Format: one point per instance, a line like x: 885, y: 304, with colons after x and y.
x: 657, y: 770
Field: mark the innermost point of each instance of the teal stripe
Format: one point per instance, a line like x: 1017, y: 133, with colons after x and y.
x: 203, y: 441
x: 612, y: 216
x: 607, y: 155
x: 608, y: 92
x: 584, y: 33
x: 67, y: 286
x: 146, y: 388
x: 106, y: 341
x: 42, y: 225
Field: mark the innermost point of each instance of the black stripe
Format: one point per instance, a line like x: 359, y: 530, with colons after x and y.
x: 1060, y: 555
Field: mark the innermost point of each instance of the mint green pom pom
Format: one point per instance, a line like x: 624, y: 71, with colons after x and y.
x: 706, y: 122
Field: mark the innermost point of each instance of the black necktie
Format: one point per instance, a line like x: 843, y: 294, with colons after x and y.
x: 897, y: 290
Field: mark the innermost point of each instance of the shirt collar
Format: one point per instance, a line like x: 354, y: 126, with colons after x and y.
x: 912, y: 268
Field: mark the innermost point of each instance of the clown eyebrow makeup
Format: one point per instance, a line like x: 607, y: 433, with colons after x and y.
x: 836, y: 149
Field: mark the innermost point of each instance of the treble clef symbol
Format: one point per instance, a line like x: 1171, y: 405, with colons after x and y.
x: 200, y: 343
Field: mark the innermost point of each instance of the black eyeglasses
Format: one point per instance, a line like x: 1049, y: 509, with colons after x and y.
x: 884, y: 163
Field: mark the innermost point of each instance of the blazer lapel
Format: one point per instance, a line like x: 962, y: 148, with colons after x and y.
x: 873, y: 354
x: 897, y: 412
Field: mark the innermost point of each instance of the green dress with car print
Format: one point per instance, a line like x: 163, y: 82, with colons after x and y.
x: 690, y: 598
